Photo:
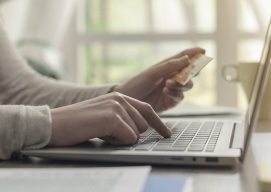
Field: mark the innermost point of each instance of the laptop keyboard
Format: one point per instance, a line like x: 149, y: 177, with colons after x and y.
x: 186, y: 136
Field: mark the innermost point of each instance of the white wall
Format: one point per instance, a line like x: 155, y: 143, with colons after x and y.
x: 50, y: 21
x: 13, y: 17
x: 43, y: 19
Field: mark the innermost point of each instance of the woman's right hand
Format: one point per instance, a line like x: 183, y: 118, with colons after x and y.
x: 115, y: 118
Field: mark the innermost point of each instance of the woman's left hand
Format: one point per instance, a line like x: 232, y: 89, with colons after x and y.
x: 156, y: 85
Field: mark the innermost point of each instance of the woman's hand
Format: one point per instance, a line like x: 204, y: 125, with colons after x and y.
x: 156, y: 85
x: 116, y: 118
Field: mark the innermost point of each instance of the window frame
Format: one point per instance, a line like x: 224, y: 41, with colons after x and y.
x: 226, y: 37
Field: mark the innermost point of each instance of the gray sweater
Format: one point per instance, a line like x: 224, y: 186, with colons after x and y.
x: 26, y: 99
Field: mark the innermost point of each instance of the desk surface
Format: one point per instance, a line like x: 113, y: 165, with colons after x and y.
x: 242, y: 178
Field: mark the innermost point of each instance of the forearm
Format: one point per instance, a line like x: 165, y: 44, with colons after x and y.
x: 23, y: 127
x: 31, y: 89
x: 19, y: 84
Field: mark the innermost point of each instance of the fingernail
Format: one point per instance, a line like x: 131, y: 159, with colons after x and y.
x: 188, y: 59
x: 186, y: 56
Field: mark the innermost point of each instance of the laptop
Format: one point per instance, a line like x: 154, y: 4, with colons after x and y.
x: 204, y: 142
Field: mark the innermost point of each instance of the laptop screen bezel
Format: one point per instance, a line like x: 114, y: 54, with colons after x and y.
x: 259, y: 86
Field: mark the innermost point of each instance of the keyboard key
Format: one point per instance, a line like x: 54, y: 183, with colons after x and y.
x: 182, y: 141
x: 210, y: 149
x: 196, y: 149
x: 144, y: 147
x: 176, y: 146
x: 180, y: 148
x: 150, y: 140
x: 162, y: 148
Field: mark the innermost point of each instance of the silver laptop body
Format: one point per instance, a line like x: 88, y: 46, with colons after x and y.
x: 208, y: 142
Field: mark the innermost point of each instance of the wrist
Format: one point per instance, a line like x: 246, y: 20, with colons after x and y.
x: 55, y: 127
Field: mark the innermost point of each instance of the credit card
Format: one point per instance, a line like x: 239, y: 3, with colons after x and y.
x: 196, y: 65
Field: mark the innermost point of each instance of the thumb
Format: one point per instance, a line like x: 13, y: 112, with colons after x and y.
x: 168, y: 68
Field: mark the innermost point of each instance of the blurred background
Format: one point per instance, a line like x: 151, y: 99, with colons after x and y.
x: 107, y: 41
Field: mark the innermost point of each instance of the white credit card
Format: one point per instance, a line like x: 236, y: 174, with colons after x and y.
x: 196, y: 65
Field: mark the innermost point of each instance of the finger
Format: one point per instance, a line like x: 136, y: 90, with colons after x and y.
x: 189, y: 52
x: 188, y: 86
x: 174, y: 94
x: 151, y: 117
x: 172, y: 99
x: 174, y: 85
x: 166, y: 69
x: 129, y: 120
x: 141, y: 124
x: 194, y: 51
x: 124, y: 134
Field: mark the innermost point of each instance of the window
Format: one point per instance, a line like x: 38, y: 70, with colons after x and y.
x: 119, y: 38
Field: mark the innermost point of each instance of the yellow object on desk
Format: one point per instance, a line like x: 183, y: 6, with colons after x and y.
x: 265, y: 176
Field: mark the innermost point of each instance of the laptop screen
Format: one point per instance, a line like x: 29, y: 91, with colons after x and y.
x: 258, y: 90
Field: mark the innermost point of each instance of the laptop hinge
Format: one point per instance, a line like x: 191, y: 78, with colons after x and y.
x: 237, y: 138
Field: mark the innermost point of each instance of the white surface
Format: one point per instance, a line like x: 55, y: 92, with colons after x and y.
x: 262, y: 151
x: 196, y: 110
x: 262, y: 146
x: 118, y: 179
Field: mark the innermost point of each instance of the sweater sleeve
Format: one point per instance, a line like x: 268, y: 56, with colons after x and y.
x: 24, y: 126
x: 19, y: 84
